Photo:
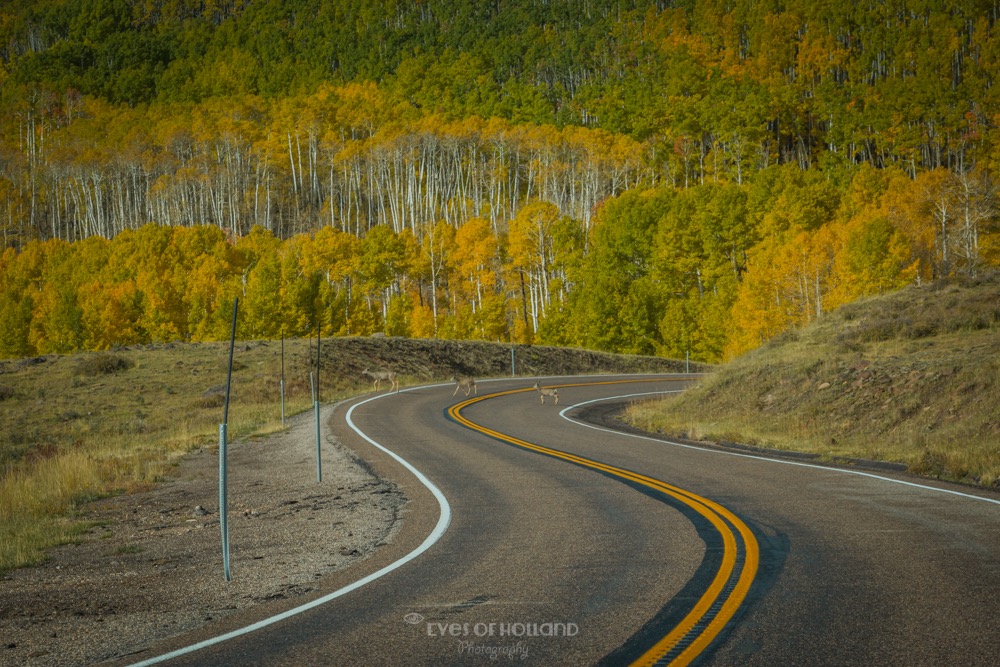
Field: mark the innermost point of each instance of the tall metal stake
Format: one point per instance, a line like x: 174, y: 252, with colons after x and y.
x: 223, y: 427
x: 282, y: 379
x: 319, y: 459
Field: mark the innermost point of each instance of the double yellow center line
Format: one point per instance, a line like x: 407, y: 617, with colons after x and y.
x: 728, y: 589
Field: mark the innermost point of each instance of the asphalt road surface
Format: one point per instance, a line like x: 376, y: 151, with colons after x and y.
x: 566, y: 543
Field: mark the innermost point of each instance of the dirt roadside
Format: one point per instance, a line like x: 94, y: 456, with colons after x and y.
x: 130, y: 579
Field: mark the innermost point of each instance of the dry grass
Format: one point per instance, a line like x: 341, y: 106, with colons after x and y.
x: 910, y: 378
x: 85, y: 426
x: 90, y: 425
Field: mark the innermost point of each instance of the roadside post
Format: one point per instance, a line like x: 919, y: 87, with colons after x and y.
x: 282, y: 380
x: 319, y: 459
x: 223, y: 437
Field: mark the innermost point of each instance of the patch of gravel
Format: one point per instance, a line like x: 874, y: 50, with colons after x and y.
x: 151, y: 567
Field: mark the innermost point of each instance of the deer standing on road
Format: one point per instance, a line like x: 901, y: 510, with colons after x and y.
x: 379, y: 376
x: 466, y: 383
x: 547, y: 391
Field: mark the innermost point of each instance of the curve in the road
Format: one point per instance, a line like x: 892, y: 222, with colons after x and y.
x: 759, y: 457
x: 704, y: 622
x: 439, y: 529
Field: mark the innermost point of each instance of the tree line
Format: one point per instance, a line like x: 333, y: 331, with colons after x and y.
x: 712, y: 90
x: 665, y: 177
x: 710, y: 271
x: 344, y: 157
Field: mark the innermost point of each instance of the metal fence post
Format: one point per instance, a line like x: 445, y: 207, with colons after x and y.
x: 319, y: 458
x: 282, y: 380
x: 223, y: 454
x: 224, y: 502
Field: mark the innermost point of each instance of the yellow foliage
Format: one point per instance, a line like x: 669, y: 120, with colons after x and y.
x: 111, y: 314
x: 422, y: 322
x: 789, y: 282
x: 476, y: 260
x: 331, y: 252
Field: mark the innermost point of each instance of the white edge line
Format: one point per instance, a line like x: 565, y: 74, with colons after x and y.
x: 562, y: 413
x: 442, y: 525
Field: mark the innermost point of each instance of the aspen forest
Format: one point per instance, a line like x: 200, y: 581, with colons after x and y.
x: 669, y: 178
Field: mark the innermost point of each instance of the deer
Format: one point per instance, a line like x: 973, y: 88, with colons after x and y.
x: 465, y: 382
x: 378, y: 376
x: 547, y: 391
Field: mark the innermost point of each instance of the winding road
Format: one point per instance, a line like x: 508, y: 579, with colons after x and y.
x: 537, y: 534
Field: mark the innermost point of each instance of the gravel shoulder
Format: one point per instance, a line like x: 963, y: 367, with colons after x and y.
x: 150, y: 568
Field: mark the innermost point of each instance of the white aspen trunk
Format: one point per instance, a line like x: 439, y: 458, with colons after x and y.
x: 358, y: 187
x: 529, y: 178
x: 344, y: 196
x: 533, y: 291
x: 372, y: 194
x: 412, y: 186
x: 314, y: 167
x: 256, y: 195
x: 267, y: 204
x: 291, y: 162
x: 430, y: 190
x: 701, y: 163
x: 298, y: 150
x: 330, y: 199
x: 478, y: 175
x: 380, y: 196
x: 77, y: 202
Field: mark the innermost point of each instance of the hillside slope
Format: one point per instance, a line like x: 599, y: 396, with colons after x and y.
x: 910, y: 377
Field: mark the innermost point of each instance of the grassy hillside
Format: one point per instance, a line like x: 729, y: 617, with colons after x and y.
x: 911, y: 377
x: 80, y: 426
